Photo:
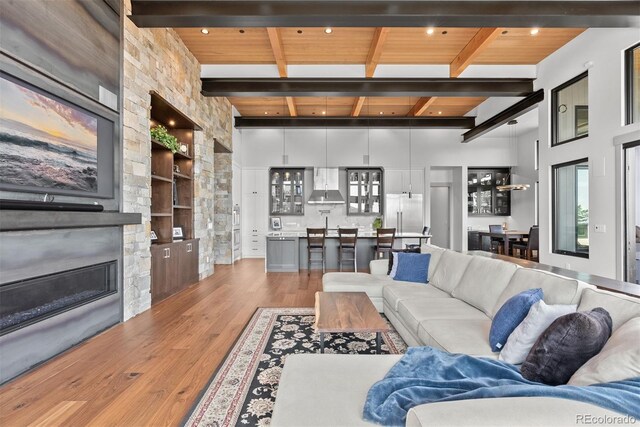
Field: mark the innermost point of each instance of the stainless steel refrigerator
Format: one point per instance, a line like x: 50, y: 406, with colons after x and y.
x: 404, y: 214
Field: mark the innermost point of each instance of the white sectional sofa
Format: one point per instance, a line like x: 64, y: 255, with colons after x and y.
x: 453, y: 312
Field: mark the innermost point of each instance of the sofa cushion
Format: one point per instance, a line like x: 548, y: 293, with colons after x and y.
x: 510, y: 315
x: 618, y: 360
x: 395, y: 291
x: 353, y: 282
x: 522, y: 339
x: 450, y: 269
x: 416, y: 310
x: 483, y: 282
x: 507, y: 412
x: 327, y: 389
x: 468, y: 336
x: 412, y: 267
x: 556, y: 289
x: 393, y: 260
x: 436, y: 254
x: 566, y: 345
x: 620, y: 307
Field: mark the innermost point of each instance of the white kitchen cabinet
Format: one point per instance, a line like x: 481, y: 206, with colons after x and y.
x: 255, y: 212
x: 398, y: 181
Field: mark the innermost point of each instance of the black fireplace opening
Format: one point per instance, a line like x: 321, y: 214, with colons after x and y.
x: 25, y: 302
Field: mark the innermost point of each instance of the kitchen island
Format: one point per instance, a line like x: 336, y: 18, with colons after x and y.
x: 287, y: 250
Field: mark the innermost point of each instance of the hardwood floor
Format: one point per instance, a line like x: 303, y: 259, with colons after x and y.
x: 149, y: 370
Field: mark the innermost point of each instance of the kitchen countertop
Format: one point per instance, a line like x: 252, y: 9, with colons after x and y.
x: 334, y: 234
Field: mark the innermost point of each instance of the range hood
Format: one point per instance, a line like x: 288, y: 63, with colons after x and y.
x: 325, y: 187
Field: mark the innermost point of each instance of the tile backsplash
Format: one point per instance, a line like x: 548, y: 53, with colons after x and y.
x: 314, y: 216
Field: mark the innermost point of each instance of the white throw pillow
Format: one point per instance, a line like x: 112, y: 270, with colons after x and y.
x: 618, y: 360
x: 524, y: 336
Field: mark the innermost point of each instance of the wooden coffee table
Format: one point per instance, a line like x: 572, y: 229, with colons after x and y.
x: 338, y: 312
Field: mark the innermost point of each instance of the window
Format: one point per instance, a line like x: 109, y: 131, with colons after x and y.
x: 632, y: 67
x: 570, y: 110
x: 571, y: 208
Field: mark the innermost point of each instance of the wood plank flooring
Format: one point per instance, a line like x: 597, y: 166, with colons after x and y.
x: 149, y: 370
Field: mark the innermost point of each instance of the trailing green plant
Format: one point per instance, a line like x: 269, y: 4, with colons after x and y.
x: 160, y: 134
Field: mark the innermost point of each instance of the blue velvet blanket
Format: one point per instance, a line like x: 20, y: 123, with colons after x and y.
x: 427, y: 375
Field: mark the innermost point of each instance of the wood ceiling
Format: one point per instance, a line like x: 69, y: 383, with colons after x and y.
x: 456, y: 47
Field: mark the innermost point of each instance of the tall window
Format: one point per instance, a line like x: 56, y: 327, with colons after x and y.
x: 570, y: 110
x: 571, y: 208
x: 632, y: 67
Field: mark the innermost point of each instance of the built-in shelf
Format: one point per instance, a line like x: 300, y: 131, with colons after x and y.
x: 157, y: 145
x: 17, y: 220
x: 181, y: 207
x: 181, y: 175
x: 161, y: 214
x: 179, y: 155
x: 161, y: 178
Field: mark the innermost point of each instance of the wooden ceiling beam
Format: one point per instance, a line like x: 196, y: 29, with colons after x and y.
x: 377, y: 43
x: 281, y: 61
x: 357, y: 106
x: 421, y: 106
x: 373, y: 58
x: 476, y: 45
x: 351, y: 122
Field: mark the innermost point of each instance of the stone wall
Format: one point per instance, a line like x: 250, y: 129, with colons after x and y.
x: 223, y: 223
x: 157, y: 60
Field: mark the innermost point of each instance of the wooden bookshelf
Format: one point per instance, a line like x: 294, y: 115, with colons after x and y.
x: 174, y: 262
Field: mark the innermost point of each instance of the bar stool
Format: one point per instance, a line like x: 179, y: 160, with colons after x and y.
x: 384, y: 241
x: 315, y: 244
x: 348, y: 237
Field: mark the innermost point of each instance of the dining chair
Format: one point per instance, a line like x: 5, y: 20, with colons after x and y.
x: 497, y: 244
x: 347, y: 242
x: 316, y: 244
x: 384, y: 241
x: 530, y: 246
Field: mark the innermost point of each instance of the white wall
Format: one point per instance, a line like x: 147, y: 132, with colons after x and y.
x: 523, y: 204
x: 603, y: 48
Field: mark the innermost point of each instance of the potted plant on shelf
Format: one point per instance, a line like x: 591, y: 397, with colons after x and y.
x: 160, y: 134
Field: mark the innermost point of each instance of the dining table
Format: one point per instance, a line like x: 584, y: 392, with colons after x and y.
x: 506, y: 236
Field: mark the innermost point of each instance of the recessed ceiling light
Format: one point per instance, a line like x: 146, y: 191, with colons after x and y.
x: 534, y: 31
x: 505, y: 32
x: 204, y: 31
x: 430, y: 31
x: 328, y: 30
x: 324, y: 112
x: 172, y: 122
x: 439, y: 112
x: 381, y: 113
x: 299, y: 31
x: 241, y: 31
x: 445, y: 32
x: 266, y: 112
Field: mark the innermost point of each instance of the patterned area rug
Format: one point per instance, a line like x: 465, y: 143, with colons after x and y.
x: 242, y: 392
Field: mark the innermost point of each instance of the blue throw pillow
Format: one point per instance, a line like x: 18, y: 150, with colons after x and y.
x: 510, y: 315
x: 412, y: 267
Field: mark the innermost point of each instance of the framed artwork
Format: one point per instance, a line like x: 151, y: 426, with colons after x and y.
x: 178, y: 233
x: 276, y: 223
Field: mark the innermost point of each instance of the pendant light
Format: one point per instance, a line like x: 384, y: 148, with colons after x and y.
x: 366, y: 159
x: 513, y: 140
x: 410, y: 177
x: 285, y: 158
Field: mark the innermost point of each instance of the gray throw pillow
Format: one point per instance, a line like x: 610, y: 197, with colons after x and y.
x: 568, y: 343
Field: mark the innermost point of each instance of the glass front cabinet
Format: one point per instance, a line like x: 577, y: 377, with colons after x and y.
x: 286, y: 191
x: 484, y: 198
x: 364, y: 192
